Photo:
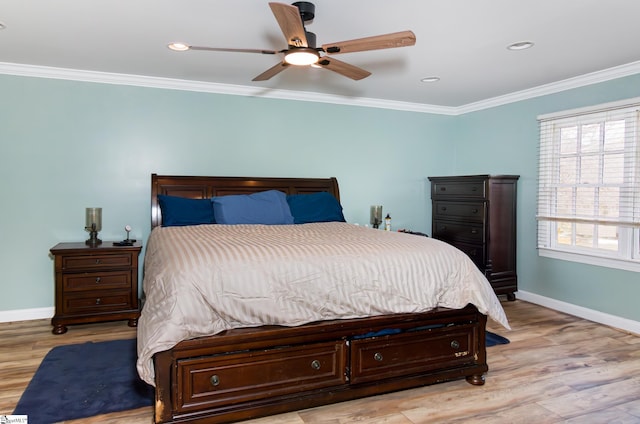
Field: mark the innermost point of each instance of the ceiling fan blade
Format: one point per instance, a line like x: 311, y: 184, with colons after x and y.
x: 386, y: 41
x: 271, y: 72
x: 216, y: 49
x: 343, y: 68
x: 290, y: 22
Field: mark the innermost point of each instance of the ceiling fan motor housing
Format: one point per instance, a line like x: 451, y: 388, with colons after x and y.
x: 311, y: 39
x: 307, y: 10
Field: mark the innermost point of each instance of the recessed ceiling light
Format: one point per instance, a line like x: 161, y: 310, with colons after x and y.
x: 179, y: 47
x: 430, y: 79
x: 2, y: 26
x: 520, y: 45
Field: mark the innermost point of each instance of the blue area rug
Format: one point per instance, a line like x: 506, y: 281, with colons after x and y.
x: 493, y: 339
x: 88, y: 379
x: 83, y: 380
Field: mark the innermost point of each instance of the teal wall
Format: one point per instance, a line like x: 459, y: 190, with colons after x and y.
x: 66, y: 145
x: 505, y: 140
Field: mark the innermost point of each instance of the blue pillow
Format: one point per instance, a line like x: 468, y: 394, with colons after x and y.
x: 315, y: 207
x: 265, y: 207
x: 185, y: 211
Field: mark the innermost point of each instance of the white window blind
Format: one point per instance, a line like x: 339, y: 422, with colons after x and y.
x: 589, y: 181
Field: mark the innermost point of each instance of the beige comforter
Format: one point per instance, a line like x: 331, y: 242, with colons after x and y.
x: 201, y: 280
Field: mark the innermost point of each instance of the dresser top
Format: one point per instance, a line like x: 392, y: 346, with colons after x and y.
x: 81, y: 247
x: 474, y: 177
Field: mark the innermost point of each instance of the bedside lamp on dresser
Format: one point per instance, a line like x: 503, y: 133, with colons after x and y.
x: 477, y: 214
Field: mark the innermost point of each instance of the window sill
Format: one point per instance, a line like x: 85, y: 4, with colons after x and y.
x: 591, y: 260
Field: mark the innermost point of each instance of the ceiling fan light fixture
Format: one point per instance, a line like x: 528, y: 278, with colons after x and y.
x: 179, y: 47
x: 302, y: 57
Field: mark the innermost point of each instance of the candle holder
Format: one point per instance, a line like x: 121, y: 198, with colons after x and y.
x: 376, y: 216
x: 93, y: 225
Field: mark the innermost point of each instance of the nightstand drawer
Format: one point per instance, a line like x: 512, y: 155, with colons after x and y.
x: 96, y: 302
x: 79, y: 262
x: 445, y: 230
x: 467, y: 211
x: 403, y: 354
x: 96, y: 280
x: 467, y: 189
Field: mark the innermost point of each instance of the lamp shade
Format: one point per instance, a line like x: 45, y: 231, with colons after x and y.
x: 94, y: 216
x: 376, y: 215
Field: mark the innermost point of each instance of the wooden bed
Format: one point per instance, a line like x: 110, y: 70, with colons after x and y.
x: 247, y: 373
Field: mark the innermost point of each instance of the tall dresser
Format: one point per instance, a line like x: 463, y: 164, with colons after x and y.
x: 477, y: 214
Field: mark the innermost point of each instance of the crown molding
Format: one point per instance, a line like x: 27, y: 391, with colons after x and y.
x: 208, y: 87
x: 555, y: 87
x: 240, y: 90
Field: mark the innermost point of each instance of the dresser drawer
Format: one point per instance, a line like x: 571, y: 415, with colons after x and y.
x: 467, y: 211
x: 248, y: 376
x: 458, y: 189
x: 452, y: 231
x: 404, y: 354
x: 96, y: 280
x: 97, y: 301
x: 474, y: 251
x: 79, y: 262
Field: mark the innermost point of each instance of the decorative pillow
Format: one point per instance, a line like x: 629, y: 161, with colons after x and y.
x: 315, y: 207
x: 265, y: 207
x: 178, y: 211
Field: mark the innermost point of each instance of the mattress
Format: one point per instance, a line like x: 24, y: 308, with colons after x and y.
x: 201, y: 280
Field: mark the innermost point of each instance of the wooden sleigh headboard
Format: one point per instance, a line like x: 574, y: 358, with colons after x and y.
x: 207, y: 187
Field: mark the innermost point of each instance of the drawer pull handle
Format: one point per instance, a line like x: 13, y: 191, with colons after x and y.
x: 443, y: 208
x: 443, y: 189
x: 474, y: 252
x: 214, y: 380
x: 474, y: 231
x: 378, y: 356
x: 455, y: 344
x: 97, y: 279
x: 474, y: 210
x: 98, y: 301
x: 97, y: 261
x: 474, y: 188
x: 315, y: 364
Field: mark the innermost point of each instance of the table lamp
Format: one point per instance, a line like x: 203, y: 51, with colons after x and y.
x: 93, y: 225
x: 376, y: 216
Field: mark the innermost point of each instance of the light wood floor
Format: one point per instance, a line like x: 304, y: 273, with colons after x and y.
x: 556, y: 369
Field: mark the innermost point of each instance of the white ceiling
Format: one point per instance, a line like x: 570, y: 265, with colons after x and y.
x: 461, y: 41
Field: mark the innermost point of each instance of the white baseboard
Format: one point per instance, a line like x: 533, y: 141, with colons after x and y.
x: 582, y: 312
x: 26, y: 314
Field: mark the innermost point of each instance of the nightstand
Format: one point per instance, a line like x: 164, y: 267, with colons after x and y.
x: 95, y: 284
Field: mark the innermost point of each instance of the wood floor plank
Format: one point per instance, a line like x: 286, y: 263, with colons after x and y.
x: 557, y: 369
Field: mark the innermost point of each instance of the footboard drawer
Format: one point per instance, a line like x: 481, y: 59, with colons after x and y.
x: 219, y: 380
x: 411, y: 353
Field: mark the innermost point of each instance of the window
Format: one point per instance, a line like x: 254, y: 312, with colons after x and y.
x: 589, y: 185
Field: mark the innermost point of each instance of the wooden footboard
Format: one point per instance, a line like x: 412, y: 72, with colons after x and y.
x: 248, y: 373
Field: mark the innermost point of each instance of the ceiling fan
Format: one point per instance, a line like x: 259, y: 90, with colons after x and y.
x: 301, y: 44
